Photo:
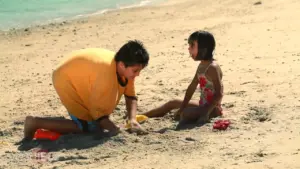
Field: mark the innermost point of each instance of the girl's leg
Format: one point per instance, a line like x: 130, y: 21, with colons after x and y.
x: 167, y: 107
x: 60, y: 126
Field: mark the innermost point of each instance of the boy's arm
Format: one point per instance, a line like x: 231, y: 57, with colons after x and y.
x: 131, y: 100
x: 131, y: 105
x: 216, y: 79
x: 189, y: 93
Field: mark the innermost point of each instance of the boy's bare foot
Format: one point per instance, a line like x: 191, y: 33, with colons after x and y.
x: 26, y: 144
x: 24, y: 140
x: 29, y: 127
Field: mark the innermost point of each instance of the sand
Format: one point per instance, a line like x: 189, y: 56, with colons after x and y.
x: 257, y: 47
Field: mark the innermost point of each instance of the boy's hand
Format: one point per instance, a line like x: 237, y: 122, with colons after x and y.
x: 136, y: 127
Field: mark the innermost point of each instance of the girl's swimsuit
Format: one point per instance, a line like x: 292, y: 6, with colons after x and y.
x: 207, y: 91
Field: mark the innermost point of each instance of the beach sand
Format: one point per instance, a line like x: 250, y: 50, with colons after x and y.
x: 257, y: 48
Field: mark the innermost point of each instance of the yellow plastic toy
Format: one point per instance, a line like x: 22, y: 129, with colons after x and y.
x: 3, y: 143
x: 139, y: 118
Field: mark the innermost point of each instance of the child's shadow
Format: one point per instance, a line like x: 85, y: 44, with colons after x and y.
x: 67, y: 142
x: 188, y: 126
x: 181, y: 126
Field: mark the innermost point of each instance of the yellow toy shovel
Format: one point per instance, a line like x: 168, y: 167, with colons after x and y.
x: 139, y: 118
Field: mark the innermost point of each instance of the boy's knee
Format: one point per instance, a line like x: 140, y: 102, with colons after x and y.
x: 105, y: 123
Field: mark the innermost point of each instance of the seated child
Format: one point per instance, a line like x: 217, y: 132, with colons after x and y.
x: 208, y: 76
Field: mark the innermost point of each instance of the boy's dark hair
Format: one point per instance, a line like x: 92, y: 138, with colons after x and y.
x: 133, y: 53
x: 205, y: 40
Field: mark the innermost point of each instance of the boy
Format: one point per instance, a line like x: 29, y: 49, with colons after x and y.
x: 90, y: 83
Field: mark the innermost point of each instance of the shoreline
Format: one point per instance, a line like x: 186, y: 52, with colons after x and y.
x: 85, y: 16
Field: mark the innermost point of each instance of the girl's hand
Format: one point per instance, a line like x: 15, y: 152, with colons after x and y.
x: 177, y: 115
x: 205, y: 117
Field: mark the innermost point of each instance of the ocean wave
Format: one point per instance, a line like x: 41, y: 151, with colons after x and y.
x: 5, y: 26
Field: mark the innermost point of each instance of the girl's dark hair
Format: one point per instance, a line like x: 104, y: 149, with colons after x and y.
x: 205, y: 40
x: 133, y: 53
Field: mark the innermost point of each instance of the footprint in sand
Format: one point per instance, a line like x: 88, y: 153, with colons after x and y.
x: 237, y: 93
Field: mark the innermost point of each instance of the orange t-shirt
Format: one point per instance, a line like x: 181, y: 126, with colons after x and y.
x: 88, y: 85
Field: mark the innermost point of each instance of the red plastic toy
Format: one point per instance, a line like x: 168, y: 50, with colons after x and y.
x: 221, y: 124
x: 45, y: 134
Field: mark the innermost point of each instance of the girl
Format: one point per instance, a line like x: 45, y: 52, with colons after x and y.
x: 208, y: 76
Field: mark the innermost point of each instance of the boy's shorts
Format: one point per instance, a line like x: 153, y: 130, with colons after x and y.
x: 83, y: 125
x: 86, y: 126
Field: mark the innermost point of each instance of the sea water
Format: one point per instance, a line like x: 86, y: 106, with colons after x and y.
x: 24, y: 13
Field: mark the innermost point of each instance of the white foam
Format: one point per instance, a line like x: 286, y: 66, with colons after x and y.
x: 79, y: 16
x: 118, y: 7
x: 142, y: 3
